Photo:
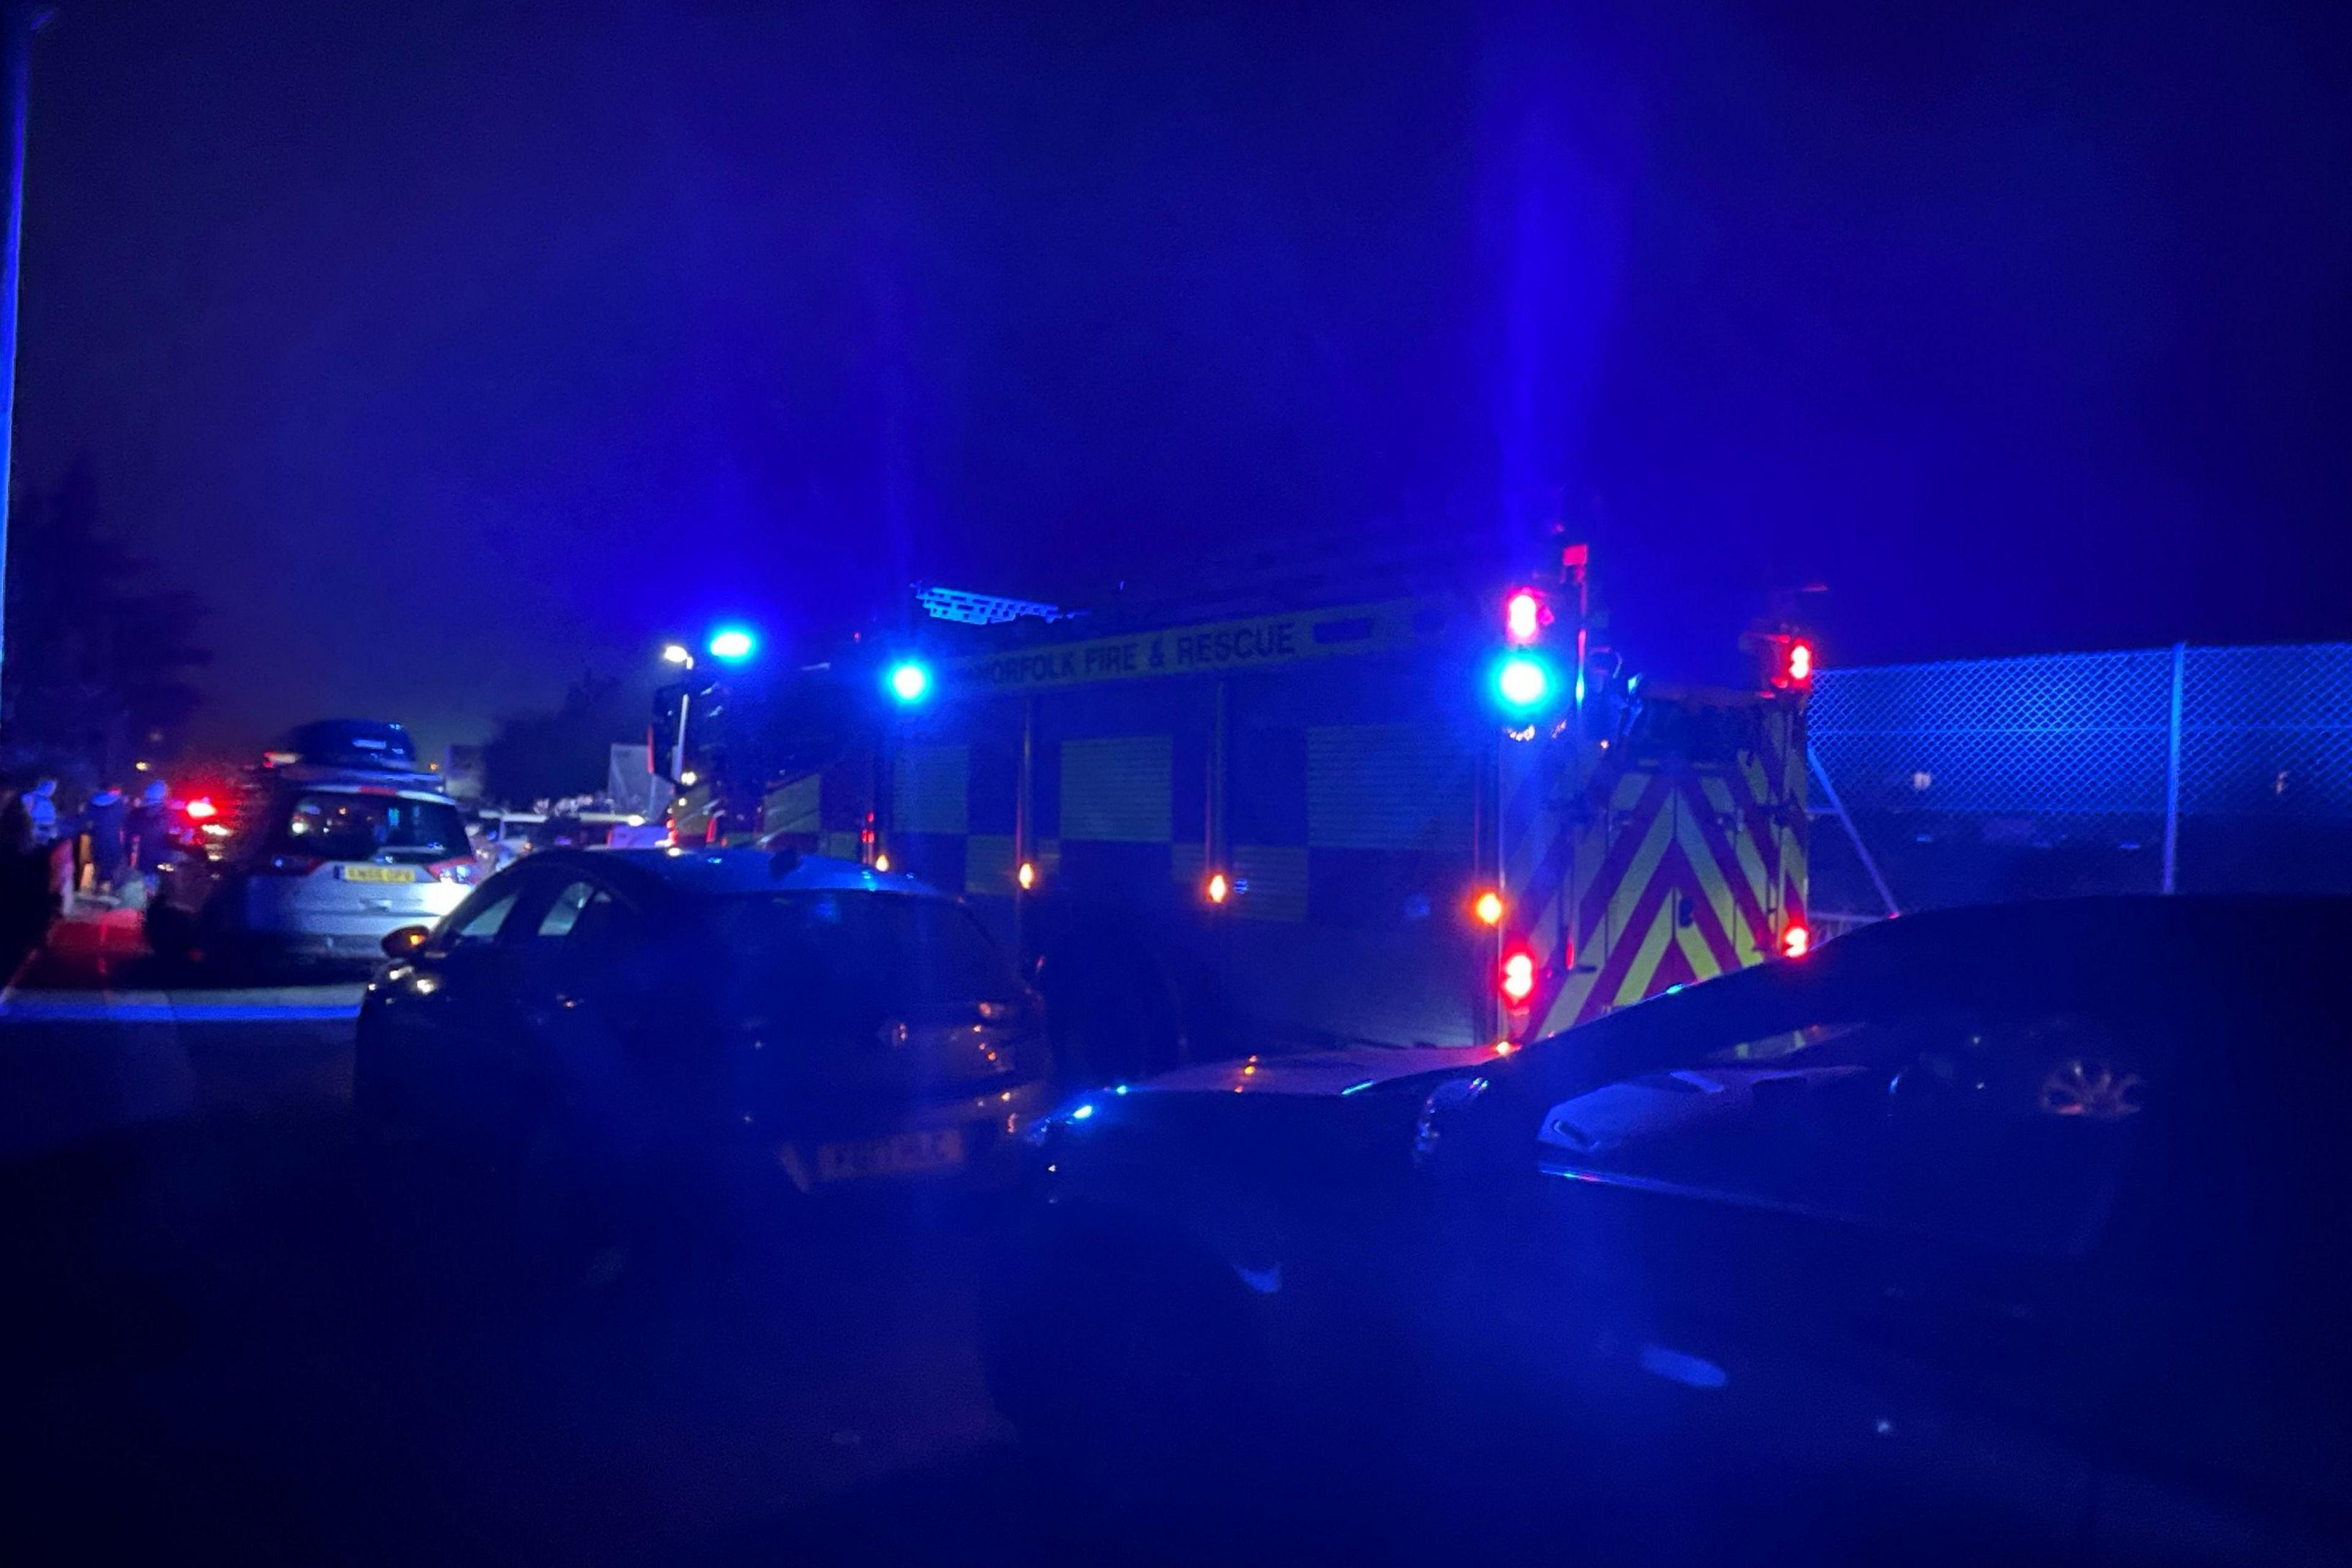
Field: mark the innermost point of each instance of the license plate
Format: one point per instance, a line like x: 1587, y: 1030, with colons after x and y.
x: 377, y: 873
x: 939, y: 1150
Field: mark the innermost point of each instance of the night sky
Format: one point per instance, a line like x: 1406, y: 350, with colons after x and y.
x: 453, y: 350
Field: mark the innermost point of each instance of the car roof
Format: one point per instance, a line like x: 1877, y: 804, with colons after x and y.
x: 2150, y: 942
x: 2157, y: 953
x: 362, y: 783
x: 697, y: 872
x: 297, y: 778
x: 2034, y: 931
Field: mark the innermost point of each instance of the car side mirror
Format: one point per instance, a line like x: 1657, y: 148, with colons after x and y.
x: 405, y: 941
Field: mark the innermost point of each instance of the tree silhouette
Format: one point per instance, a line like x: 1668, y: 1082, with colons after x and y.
x: 98, y: 656
x: 547, y: 756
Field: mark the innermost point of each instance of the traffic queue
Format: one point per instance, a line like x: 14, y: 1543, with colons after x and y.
x: 1578, y: 1193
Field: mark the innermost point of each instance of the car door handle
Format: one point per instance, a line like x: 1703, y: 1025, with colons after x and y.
x: 553, y: 1010
x: 1958, y: 1324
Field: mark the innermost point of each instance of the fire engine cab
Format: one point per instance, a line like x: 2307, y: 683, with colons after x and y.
x: 1284, y: 818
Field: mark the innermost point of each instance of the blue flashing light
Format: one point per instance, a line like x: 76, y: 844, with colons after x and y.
x: 1681, y: 1366
x: 910, y: 680
x: 1083, y: 1110
x: 733, y: 645
x: 1522, y: 683
x: 1266, y: 1281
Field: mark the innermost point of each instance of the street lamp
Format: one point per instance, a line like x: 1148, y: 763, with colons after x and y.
x: 678, y: 653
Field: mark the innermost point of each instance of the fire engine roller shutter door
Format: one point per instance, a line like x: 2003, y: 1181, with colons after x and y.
x: 1389, y: 815
x: 993, y: 788
x: 1388, y: 787
x: 930, y: 813
x: 793, y: 808
x: 1354, y: 931
x: 929, y: 790
x: 988, y: 865
x: 1115, y: 817
x: 1117, y: 789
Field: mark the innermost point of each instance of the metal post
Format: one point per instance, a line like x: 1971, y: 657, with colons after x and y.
x: 1023, y: 827
x: 1885, y: 894
x: 1214, y: 847
x: 17, y: 21
x: 881, y: 807
x: 1486, y: 823
x: 1577, y: 560
x: 2173, y: 773
x: 678, y: 750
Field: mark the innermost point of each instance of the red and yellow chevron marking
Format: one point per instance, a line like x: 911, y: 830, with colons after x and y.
x: 1679, y: 873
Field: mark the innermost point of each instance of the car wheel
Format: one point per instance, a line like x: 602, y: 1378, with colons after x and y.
x: 563, y: 1222
x: 415, y: 1196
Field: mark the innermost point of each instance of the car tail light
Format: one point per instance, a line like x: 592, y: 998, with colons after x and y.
x: 202, y: 810
x: 289, y: 866
x: 1796, y: 942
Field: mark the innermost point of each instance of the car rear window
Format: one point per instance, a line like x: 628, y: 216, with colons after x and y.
x: 332, y: 825
x: 2004, y: 1130
x: 850, y: 950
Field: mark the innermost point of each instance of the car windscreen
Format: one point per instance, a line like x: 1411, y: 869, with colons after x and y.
x: 334, y: 825
x: 835, y: 953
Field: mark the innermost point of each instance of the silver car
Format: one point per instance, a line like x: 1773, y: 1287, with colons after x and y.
x: 320, y: 865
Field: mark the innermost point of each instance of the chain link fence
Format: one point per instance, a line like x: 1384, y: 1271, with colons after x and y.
x: 2180, y: 769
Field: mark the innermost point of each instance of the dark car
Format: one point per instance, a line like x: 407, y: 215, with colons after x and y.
x: 1991, y: 1234
x: 591, y: 1022
x: 375, y: 743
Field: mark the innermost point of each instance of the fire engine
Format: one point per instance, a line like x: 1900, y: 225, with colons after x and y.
x: 1289, y: 815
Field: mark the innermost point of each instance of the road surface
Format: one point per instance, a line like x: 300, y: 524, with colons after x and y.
x: 93, y: 1043
x: 210, y: 1356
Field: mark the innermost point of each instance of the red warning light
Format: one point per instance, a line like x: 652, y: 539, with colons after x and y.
x: 202, y: 810
x: 1796, y: 942
x: 1523, y: 616
x: 1786, y: 660
x: 1518, y: 977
